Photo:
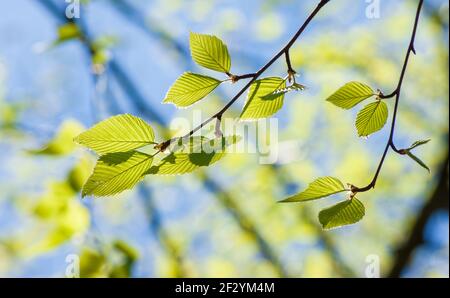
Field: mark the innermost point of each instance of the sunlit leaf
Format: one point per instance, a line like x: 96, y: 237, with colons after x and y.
x: 350, y: 95
x: 190, y: 88
x: 418, y: 160
x: 202, y: 155
x: 62, y: 143
x: 344, y: 213
x: 371, y: 118
x: 320, y: 188
x: 419, y: 143
x: 116, y: 172
x: 119, y: 133
x: 263, y: 100
x: 188, y: 145
x: 210, y: 52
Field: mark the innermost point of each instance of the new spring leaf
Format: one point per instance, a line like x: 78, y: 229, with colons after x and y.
x: 264, y: 98
x: 116, y: 172
x: 210, y: 52
x: 196, y: 154
x: 350, y: 95
x: 320, y: 188
x: 418, y: 160
x: 371, y: 118
x: 344, y: 213
x: 119, y: 133
x: 190, y: 88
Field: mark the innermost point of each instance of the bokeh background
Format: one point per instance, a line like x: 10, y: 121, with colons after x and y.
x: 222, y: 221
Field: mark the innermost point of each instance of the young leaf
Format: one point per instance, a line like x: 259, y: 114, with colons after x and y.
x: 419, y: 143
x: 350, y: 95
x: 210, y: 52
x: 190, y: 88
x: 418, y: 160
x: 196, y: 156
x: 344, y: 213
x: 371, y: 118
x: 320, y: 188
x: 119, y: 133
x: 263, y: 100
x: 116, y: 172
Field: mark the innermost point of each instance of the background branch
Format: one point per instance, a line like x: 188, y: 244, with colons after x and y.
x: 438, y: 200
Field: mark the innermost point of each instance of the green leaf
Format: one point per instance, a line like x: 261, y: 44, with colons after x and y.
x: 116, y: 172
x: 263, y: 100
x: 419, y: 143
x: 190, y: 88
x: 119, y: 133
x: 320, y: 188
x: 202, y: 155
x: 350, y: 95
x: 371, y: 118
x: 210, y: 52
x: 62, y: 142
x: 344, y: 213
x: 418, y: 160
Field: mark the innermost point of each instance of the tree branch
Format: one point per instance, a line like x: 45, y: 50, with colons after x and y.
x: 254, y: 76
x: 396, y: 93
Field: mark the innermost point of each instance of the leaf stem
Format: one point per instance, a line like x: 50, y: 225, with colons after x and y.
x: 290, y: 70
x: 396, y: 93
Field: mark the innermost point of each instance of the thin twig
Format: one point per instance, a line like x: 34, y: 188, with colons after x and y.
x: 396, y: 93
x: 254, y: 76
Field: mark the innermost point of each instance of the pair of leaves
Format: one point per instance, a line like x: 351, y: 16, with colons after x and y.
x: 414, y: 157
x: 207, y: 51
x: 264, y: 99
x: 121, y: 166
x: 344, y: 213
x: 119, y: 133
x: 372, y: 117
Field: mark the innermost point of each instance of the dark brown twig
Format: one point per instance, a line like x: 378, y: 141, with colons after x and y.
x: 396, y: 93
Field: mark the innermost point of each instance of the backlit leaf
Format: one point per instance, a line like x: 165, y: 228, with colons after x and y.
x: 116, y: 172
x: 210, y: 52
x: 320, y: 188
x: 263, y: 100
x: 350, y: 95
x: 344, y: 213
x: 419, y: 143
x: 119, y: 133
x: 418, y: 160
x: 190, y: 88
x: 186, y: 161
x: 371, y: 118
